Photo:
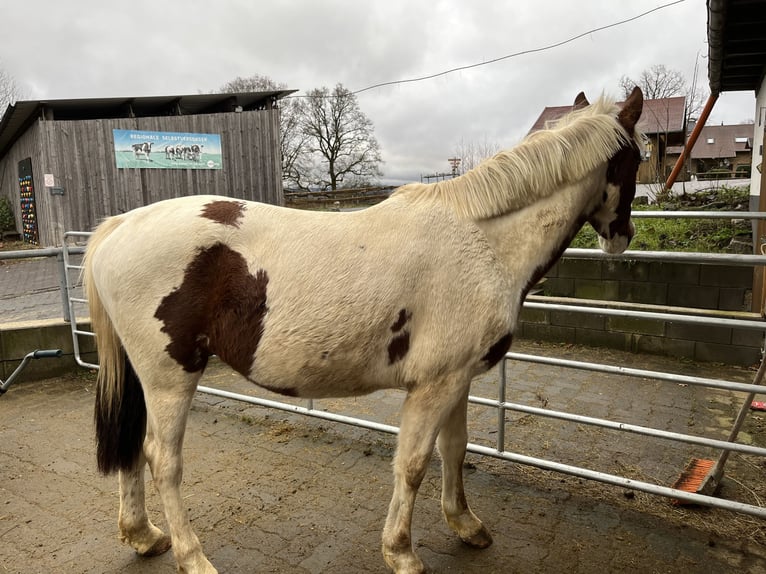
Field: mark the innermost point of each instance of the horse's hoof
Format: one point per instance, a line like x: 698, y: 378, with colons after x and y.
x: 160, y: 547
x: 482, y: 539
x: 404, y: 562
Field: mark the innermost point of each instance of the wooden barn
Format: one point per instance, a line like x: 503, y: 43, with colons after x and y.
x: 67, y: 164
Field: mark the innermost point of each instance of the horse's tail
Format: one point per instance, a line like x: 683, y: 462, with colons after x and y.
x: 120, y: 412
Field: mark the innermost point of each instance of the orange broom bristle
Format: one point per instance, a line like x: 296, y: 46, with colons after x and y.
x: 693, y: 476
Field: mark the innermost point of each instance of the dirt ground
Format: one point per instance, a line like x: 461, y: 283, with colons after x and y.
x: 270, y: 491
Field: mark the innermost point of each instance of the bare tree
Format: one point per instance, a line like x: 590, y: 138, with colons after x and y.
x: 472, y: 153
x: 659, y: 82
x: 656, y: 83
x: 10, y: 91
x: 292, y: 140
x: 340, y: 138
x: 254, y: 83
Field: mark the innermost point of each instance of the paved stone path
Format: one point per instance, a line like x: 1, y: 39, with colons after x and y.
x: 275, y: 492
x: 29, y: 290
x: 270, y: 491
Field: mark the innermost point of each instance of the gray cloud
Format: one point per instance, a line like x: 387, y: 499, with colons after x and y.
x: 89, y: 48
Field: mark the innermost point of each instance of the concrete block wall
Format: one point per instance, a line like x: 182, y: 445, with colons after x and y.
x: 709, y: 290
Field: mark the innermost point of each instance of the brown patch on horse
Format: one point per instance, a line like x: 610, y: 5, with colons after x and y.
x: 498, y: 350
x: 622, y: 167
x: 218, y: 309
x: 224, y: 212
x: 398, y: 347
x: 401, y: 321
x: 400, y: 344
x: 621, y: 172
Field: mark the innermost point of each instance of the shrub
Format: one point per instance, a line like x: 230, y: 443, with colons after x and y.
x: 7, y: 220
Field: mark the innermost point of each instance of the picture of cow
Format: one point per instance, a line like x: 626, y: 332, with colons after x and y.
x: 142, y: 150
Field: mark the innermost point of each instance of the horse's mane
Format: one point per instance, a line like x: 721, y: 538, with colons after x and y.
x: 539, y: 165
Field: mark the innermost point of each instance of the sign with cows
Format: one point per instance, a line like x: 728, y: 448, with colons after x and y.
x: 166, y: 150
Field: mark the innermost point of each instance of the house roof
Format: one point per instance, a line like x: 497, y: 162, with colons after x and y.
x: 736, y: 32
x: 723, y: 141
x: 663, y: 115
x: 19, y: 116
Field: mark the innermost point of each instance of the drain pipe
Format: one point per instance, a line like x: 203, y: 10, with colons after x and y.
x: 691, y: 141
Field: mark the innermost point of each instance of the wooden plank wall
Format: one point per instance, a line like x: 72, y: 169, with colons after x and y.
x: 80, y: 155
x: 28, y: 145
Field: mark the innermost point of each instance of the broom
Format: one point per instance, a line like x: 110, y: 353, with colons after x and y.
x: 704, y: 476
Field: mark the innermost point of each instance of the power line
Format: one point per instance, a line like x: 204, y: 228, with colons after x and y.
x: 514, y: 55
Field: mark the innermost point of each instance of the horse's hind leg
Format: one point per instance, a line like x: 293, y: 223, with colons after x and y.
x: 168, y: 399
x: 451, y: 443
x: 135, y: 527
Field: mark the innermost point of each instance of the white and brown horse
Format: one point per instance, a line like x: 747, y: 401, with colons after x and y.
x: 420, y: 292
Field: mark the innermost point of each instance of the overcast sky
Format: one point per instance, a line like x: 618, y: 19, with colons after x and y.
x: 98, y: 48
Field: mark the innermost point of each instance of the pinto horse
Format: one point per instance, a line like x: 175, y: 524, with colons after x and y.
x: 420, y: 292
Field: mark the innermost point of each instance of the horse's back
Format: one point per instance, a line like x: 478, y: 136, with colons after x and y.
x: 301, y: 302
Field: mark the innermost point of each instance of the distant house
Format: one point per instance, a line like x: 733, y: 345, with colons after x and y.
x: 663, y: 124
x: 722, y: 151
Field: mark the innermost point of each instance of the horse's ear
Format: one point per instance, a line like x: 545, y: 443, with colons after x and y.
x: 580, y: 101
x: 631, y: 110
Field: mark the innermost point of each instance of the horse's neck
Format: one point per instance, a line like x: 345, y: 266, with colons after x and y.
x: 529, y: 241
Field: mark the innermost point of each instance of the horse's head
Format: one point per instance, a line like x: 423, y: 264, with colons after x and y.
x: 611, y: 217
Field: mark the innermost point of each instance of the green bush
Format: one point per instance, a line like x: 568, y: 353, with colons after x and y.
x: 7, y: 220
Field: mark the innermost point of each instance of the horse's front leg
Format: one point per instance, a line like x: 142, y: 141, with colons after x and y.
x: 423, y: 413
x: 451, y: 443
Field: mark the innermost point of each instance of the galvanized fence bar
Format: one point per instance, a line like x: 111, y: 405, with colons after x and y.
x: 659, y: 214
x: 621, y: 481
x: 670, y: 257
x: 627, y: 427
x: 308, y: 410
x: 543, y: 464
x: 67, y: 251
x: 751, y: 325
x: 632, y: 372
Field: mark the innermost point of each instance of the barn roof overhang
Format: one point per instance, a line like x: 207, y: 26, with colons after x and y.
x: 736, y: 45
x: 19, y: 116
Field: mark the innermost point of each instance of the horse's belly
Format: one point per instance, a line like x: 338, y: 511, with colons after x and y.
x: 315, y: 381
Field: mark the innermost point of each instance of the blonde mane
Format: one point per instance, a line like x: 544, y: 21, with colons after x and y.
x: 542, y: 163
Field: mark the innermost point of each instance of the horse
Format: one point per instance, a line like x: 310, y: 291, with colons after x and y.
x: 420, y: 292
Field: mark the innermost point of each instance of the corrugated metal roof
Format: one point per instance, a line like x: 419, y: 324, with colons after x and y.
x: 663, y: 115
x: 19, y: 116
x: 736, y: 32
